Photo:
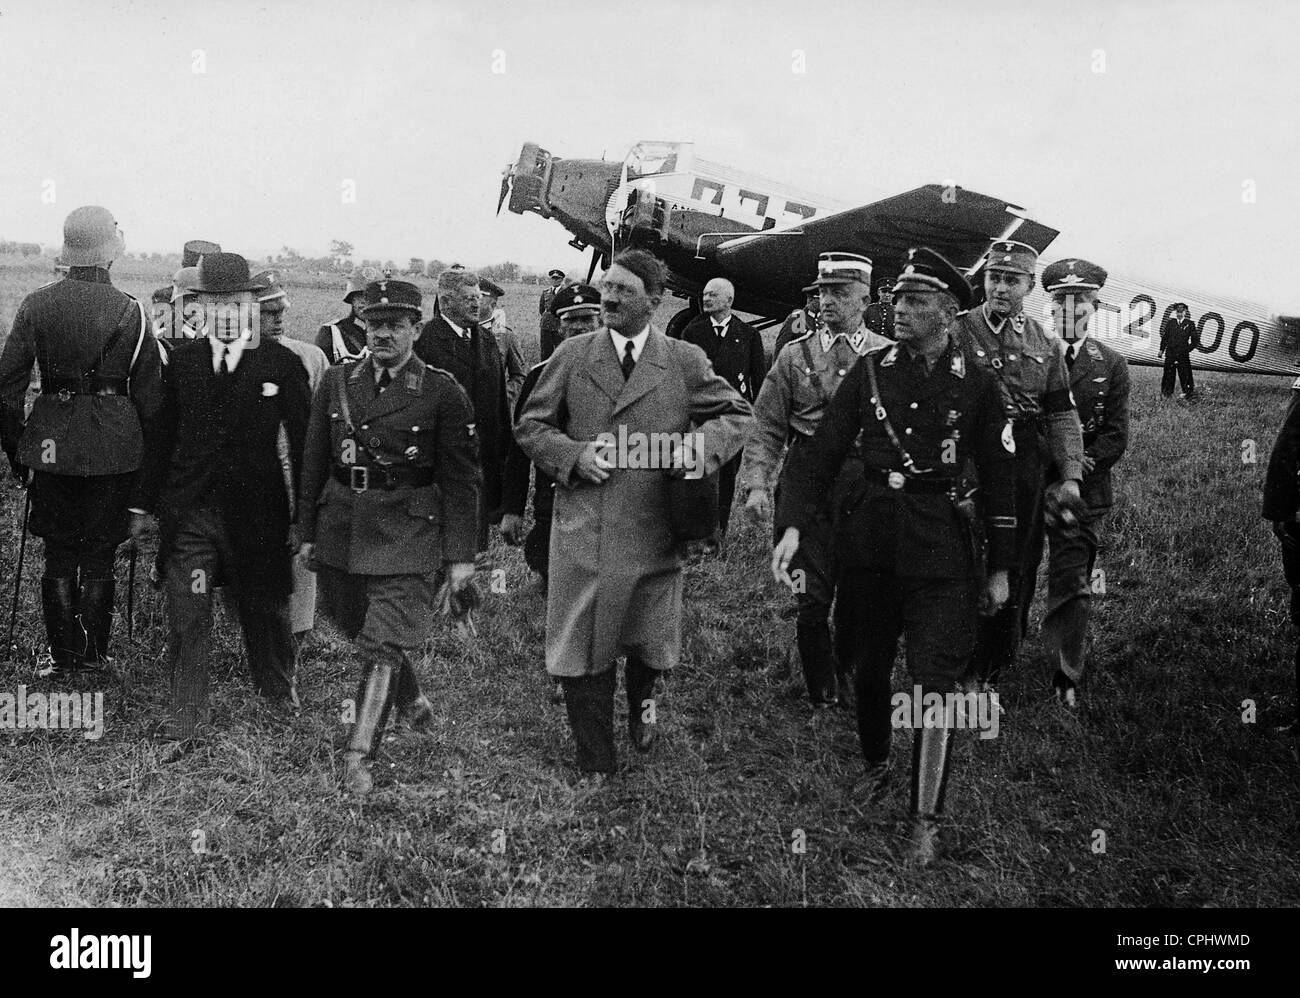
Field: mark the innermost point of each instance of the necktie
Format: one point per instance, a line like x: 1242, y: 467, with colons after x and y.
x: 1070, y: 353
x: 385, y: 379
x: 721, y: 331
x: 629, y: 361
x: 224, y: 370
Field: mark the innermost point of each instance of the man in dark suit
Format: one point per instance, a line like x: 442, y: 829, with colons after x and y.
x: 346, y: 338
x: 454, y: 342
x: 1177, y: 338
x: 550, y: 324
x: 735, y: 349
x: 87, y: 432
x: 1099, y: 382
x: 389, y: 499
x: 218, y: 488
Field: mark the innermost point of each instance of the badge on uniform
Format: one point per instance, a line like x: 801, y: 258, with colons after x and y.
x: 470, y: 428
x: 1008, y: 439
x: 958, y: 365
x: 953, y: 416
x: 269, y: 388
x: 896, y: 480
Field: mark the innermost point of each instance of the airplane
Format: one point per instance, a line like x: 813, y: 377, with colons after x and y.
x: 706, y: 220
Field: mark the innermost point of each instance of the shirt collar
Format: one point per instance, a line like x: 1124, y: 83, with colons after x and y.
x: 637, y: 341
x: 857, y: 341
x: 233, y: 350
x: 457, y: 329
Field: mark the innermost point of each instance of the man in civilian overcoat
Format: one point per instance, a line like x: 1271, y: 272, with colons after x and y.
x: 615, y: 568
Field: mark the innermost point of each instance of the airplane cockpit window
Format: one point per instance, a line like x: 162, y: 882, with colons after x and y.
x: 649, y: 158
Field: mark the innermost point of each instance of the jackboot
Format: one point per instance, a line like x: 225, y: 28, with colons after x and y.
x: 374, y: 698
x: 62, y: 628
x: 930, y: 753
x: 97, y: 617
x: 640, y: 705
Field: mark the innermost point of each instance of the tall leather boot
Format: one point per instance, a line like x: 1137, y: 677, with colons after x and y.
x: 97, y: 618
x: 930, y: 751
x: 374, y: 697
x: 589, y: 701
x: 62, y: 628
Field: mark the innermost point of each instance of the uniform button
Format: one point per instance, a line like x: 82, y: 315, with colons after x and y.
x: 374, y: 441
x: 365, y: 426
x: 842, y: 372
x: 908, y: 431
x: 912, y: 406
x: 1011, y: 356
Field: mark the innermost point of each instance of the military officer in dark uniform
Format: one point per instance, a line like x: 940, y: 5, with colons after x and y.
x: 800, y: 321
x: 920, y: 410
x: 1282, y: 509
x: 1030, y: 367
x: 389, y: 497
x: 346, y: 339
x: 880, y: 314
x: 454, y: 342
x: 88, y: 431
x: 803, y: 379
x: 735, y: 349
x: 577, y: 306
x: 550, y: 324
x: 1099, y: 382
x: 1177, y: 339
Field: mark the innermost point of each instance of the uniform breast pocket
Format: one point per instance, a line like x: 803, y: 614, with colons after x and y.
x: 426, y: 504
x: 1034, y: 366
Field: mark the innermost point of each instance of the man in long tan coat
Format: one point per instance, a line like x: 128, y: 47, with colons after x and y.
x: 615, y: 576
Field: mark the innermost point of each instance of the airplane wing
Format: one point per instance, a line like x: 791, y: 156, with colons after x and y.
x: 956, y: 222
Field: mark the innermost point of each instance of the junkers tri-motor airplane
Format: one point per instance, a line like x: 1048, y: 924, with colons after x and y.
x: 707, y: 220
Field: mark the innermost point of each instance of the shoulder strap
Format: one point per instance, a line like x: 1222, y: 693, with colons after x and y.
x: 812, y: 368
x: 884, y: 420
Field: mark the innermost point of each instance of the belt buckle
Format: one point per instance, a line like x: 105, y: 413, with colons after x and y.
x: 64, y: 396
x: 358, y: 478
x: 896, y: 480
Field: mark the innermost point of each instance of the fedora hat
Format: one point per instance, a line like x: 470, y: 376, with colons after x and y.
x: 224, y: 273
x: 91, y: 238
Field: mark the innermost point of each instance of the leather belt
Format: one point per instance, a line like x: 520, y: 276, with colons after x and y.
x: 898, y: 480
x: 65, y: 388
x: 363, y: 477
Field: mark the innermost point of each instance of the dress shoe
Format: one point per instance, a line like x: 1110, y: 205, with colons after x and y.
x: 356, y: 774
x: 1065, y: 690
x: 925, y: 840
x: 418, y: 714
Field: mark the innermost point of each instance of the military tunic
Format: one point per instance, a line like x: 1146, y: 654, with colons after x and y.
x: 1099, y: 381
x: 907, y: 566
x: 798, y: 387
x: 1030, y: 367
x: 101, y: 389
x: 343, y: 340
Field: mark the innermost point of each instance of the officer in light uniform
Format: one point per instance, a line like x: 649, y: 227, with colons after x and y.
x: 907, y: 566
x: 800, y: 320
x: 802, y: 380
x: 390, y: 496
x: 1030, y: 366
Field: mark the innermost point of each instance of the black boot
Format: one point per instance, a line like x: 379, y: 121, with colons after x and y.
x: 814, y: 638
x: 97, y: 617
x: 374, y: 698
x: 640, y: 705
x: 930, y: 753
x: 67, y: 640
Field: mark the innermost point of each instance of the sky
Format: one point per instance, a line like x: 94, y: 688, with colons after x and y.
x: 1160, y: 138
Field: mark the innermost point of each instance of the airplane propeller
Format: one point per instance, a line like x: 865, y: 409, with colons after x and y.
x: 506, y: 176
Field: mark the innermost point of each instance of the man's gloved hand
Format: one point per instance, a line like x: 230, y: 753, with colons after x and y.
x: 1062, y: 504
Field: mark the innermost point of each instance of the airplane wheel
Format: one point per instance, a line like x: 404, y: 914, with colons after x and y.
x: 678, y: 322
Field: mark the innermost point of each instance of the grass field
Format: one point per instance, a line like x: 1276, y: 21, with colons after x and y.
x: 1197, y: 807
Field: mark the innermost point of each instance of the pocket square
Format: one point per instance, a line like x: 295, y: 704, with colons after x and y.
x: 270, y: 388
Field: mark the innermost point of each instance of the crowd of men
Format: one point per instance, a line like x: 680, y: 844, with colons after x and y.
x: 913, y: 460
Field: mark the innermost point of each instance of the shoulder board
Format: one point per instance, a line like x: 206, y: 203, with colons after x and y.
x: 538, y: 367
x: 804, y: 336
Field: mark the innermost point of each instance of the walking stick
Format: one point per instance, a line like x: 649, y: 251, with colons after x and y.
x: 130, y: 593
x: 18, y: 576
